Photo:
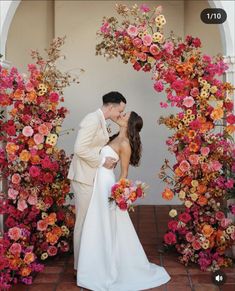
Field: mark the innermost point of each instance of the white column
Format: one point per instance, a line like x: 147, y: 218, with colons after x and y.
x: 4, y: 64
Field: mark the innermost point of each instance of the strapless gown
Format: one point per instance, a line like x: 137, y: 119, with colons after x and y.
x: 111, y: 257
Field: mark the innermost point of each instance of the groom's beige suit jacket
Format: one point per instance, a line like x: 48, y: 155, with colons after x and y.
x: 92, y: 136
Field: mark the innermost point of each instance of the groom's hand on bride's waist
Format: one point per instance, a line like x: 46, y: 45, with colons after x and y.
x: 110, y: 163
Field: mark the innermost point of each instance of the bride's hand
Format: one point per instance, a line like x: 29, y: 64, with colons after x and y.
x: 110, y: 163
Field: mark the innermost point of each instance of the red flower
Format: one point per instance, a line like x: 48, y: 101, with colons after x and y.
x: 137, y: 66
x: 172, y: 225
x: 122, y: 205
x: 231, y: 119
x: 139, y: 192
x: 48, y: 178
x: 185, y: 217
x: 170, y: 238
x: 34, y: 171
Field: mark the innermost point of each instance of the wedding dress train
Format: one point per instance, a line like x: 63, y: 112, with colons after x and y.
x: 111, y: 257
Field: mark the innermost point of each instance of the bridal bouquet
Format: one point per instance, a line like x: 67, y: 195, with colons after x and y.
x: 125, y: 192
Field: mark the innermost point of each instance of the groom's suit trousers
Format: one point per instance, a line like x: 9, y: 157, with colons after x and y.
x: 82, y: 197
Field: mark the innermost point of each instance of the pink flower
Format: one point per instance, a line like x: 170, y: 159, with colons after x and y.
x: 205, y: 151
x: 190, y: 237
x: 194, y: 92
x: 38, y: 138
x: 196, y: 245
x: 147, y: 39
x: 42, y: 225
x: 105, y: 28
x: 15, y: 249
x: 163, y: 104
x: 54, y: 97
x: 132, y: 30
x: 43, y: 129
x: 32, y: 199
x: 158, y: 86
x: 170, y: 238
x: 34, y: 171
x: 178, y: 85
x: 215, y: 165
x: 144, y: 8
x: 48, y: 178
x: 122, y: 205
x: 139, y: 192
x: 27, y: 131
x: 188, y: 101
x: 172, y: 225
x: 21, y: 205
x: 16, y: 179
x: 229, y: 184
x: 184, y: 166
x: 142, y: 56
x: 231, y: 119
x: 52, y: 251
x: 154, y: 50
x: 219, y: 215
x: 194, y: 159
x: 137, y: 66
x: 168, y: 46
x: 12, y: 193
x: 225, y: 222
x: 29, y: 87
x: 233, y: 236
x: 137, y: 42
x: 14, y: 233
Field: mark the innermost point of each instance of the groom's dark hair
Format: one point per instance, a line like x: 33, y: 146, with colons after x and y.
x: 113, y: 97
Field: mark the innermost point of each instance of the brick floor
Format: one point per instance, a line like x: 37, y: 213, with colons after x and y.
x: 150, y: 222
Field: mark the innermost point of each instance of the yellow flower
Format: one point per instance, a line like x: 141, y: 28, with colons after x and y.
x: 52, y: 139
x: 151, y: 60
x: 173, y: 213
x: 194, y: 196
x: 181, y: 195
x: 189, y: 111
x: 217, y: 113
x: 204, y: 94
x: 213, y: 89
x: 194, y: 183
x: 157, y: 37
x: 188, y: 203
x: 44, y: 215
x: 205, y: 244
x: 44, y: 256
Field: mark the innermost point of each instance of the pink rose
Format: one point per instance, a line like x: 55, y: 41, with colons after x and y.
x: 15, y: 249
x: 43, y: 129
x: 194, y: 159
x: 38, y: 138
x: 190, y: 237
x: 32, y: 199
x: 229, y: 184
x: 21, y: 205
x: 42, y: 225
x: 16, y: 179
x: 34, y: 171
x: 142, y: 56
x: 170, y: 238
x: 219, y: 215
x: 12, y: 193
x: 205, y: 151
x: 147, y: 39
x: 132, y: 30
x: 14, y: 233
x: 168, y: 46
x: 158, y: 86
x: 225, y: 222
x: 27, y: 131
x: 54, y: 97
x: 29, y: 87
x: 215, y: 165
x: 196, y: 245
x: 188, y: 101
x: 52, y: 250
x: 144, y: 8
x: 184, y: 166
x: 154, y: 50
x: 194, y: 92
x: 137, y: 42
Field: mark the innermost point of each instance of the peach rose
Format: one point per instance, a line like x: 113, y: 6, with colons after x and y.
x: 14, y: 233
x: 25, y: 156
x: 184, y: 166
x: 25, y: 271
x: 167, y: 194
x: 132, y: 30
x: 207, y: 230
x: 15, y: 179
x: 11, y: 148
x: 42, y: 225
x: 29, y: 258
x: 43, y: 129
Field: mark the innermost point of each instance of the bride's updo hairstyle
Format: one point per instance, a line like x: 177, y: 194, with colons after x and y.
x: 135, y: 124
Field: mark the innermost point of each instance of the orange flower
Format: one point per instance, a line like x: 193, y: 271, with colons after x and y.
x: 35, y: 159
x: 52, y: 238
x: 13, y: 111
x: 51, y: 219
x: 31, y: 142
x: 217, y: 113
x: 202, y: 200
x: 57, y: 231
x: 167, y: 194
x: 191, y: 133
x: 207, y: 230
x: 31, y: 96
x: 25, y: 156
x: 187, y: 181
x: 178, y: 172
x: 206, y: 126
x: 11, y: 148
x: 19, y: 94
x: 25, y: 271
x: 230, y: 128
x: 194, y: 147
x: 29, y: 258
x: 201, y: 189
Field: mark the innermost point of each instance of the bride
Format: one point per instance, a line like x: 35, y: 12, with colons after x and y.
x: 111, y: 257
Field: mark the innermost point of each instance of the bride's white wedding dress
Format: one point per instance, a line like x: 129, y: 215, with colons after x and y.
x: 111, y: 257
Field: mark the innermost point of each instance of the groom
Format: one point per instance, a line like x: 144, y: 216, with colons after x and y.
x: 92, y: 136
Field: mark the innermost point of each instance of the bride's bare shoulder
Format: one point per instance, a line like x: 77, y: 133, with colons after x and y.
x: 125, y: 145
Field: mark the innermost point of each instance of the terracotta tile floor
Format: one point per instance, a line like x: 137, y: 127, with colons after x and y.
x: 150, y: 223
